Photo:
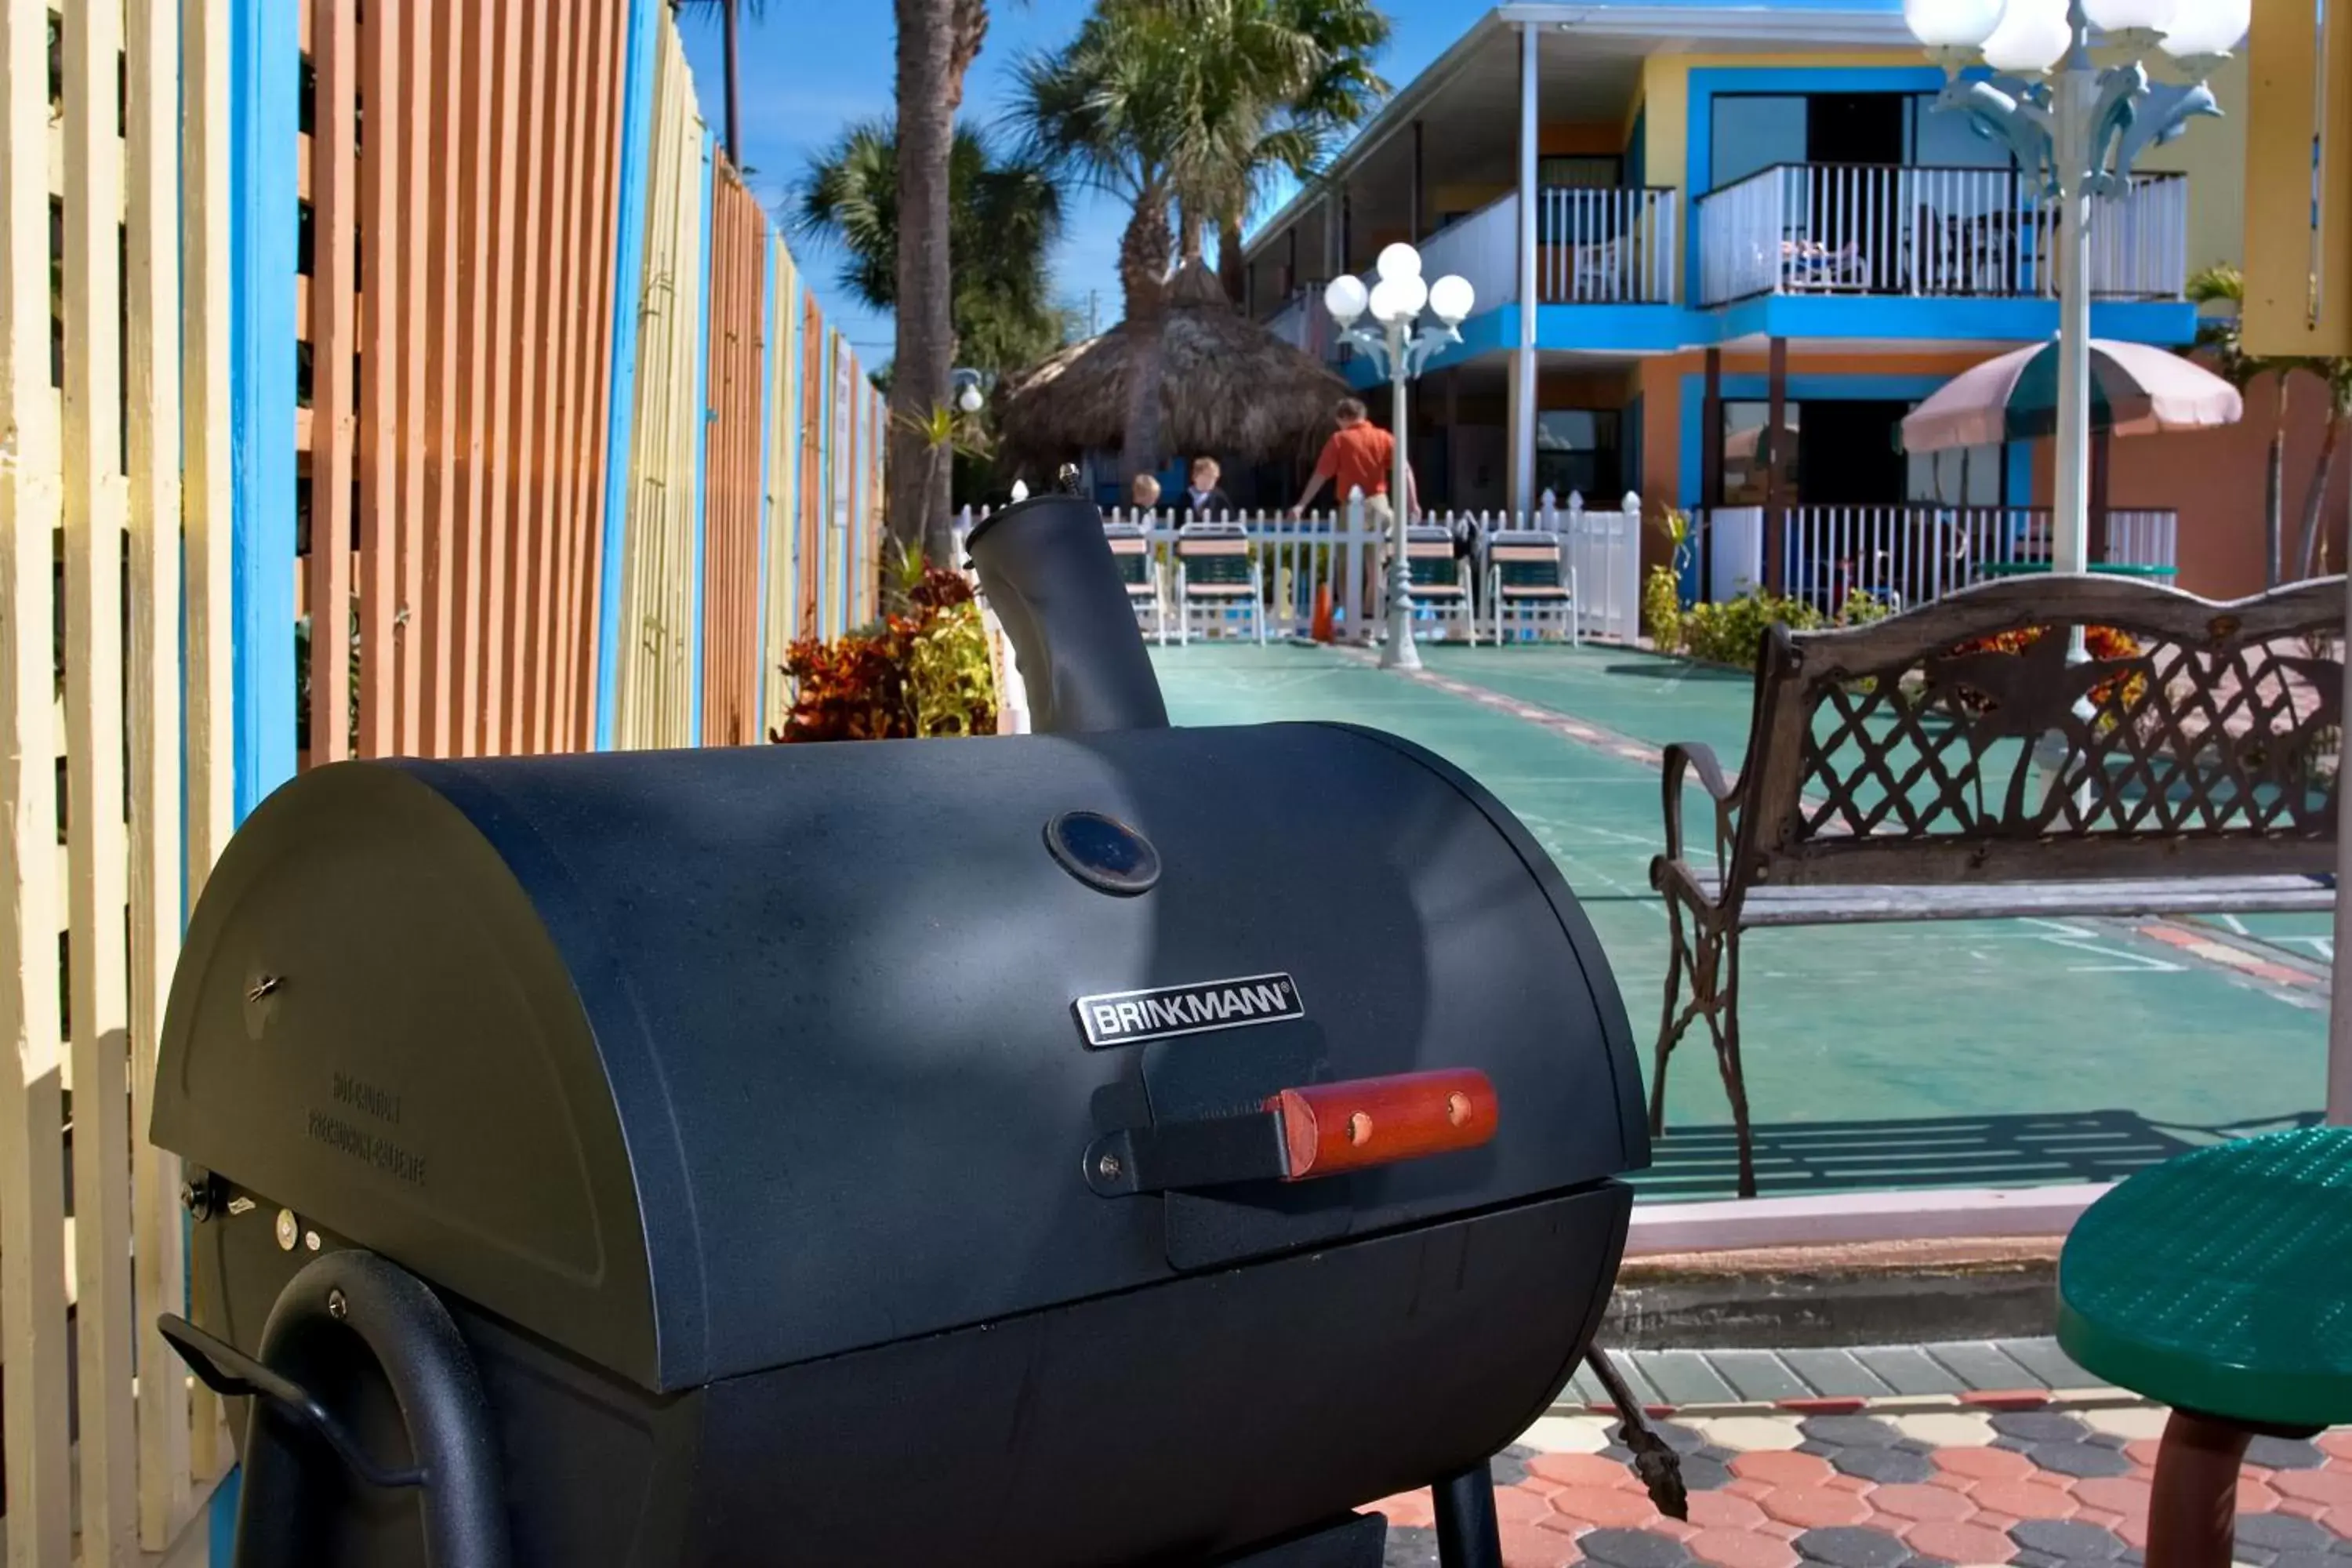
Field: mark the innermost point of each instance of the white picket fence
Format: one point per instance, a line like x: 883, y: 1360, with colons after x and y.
x: 1601, y: 551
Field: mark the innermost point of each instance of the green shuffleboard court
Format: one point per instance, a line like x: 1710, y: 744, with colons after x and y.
x: 1995, y: 1053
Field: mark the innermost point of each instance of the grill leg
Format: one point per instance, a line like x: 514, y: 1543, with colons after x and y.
x: 1467, y: 1536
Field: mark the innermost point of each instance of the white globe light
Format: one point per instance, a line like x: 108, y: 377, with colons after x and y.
x: 1345, y: 299
x: 1398, y: 261
x: 1451, y: 299
x: 1411, y: 292
x: 2033, y: 35
x: 2134, y: 16
x: 969, y: 399
x: 1952, y: 24
x: 1389, y: 306
x: 2208, y: 28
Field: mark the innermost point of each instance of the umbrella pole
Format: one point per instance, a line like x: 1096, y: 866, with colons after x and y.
x: 2339, y: 1003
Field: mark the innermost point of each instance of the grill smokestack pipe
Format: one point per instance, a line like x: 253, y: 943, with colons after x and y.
x: 1047, y: 572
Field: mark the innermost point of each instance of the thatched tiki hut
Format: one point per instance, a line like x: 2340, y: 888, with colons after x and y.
x: 1226, y: 385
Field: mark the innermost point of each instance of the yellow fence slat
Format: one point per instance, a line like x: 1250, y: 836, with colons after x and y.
x: 657, y: 640
x: 96, y: 505
x: 151, y: 318
x: 205, y: 502
x: 32, y: 1118
x: 784, y: 482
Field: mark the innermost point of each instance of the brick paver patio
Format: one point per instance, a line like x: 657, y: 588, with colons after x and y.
x: 1910, y: 1483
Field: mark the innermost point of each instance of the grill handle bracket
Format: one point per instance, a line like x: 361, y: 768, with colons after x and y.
x: 232, y: 1375
x: 1301, y: 1134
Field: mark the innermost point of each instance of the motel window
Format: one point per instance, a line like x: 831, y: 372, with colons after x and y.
x: 1577, y: 453
x: 1746, y: 451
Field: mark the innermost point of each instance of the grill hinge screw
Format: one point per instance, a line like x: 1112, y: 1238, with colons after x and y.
x: 337, y: 1307
x: 263, y: 987
x: 1109, y: 1167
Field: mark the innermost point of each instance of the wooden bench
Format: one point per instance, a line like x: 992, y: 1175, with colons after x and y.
x: 1954, y: 763
x: 1216, y: 576
x: 1139, y: 568
x: 1528, y: 587
x: 1440, y: 583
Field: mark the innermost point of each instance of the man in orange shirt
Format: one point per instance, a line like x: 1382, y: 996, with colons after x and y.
x: 1359, y: 456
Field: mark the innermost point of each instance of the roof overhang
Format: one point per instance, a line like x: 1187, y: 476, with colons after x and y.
x: 1674, y: 28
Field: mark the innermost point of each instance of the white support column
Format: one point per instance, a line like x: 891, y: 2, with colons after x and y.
x: 1524, y: 400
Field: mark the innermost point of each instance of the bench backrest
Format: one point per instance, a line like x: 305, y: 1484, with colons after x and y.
x: 1219, y: 558
x: 1955, y: 744
x: 1524, y: 560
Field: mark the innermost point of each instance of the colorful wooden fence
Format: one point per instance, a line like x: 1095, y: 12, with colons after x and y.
x: 406, y: 378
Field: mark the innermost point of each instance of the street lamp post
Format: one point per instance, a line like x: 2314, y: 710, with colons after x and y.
x: 2076, y: 131
x: 1400, y: 344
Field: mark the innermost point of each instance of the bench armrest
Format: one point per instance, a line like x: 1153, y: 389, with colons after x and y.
x: 1681, y: 761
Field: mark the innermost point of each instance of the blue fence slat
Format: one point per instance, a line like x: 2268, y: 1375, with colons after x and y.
x: 620, y: 429
x: 265, y: 50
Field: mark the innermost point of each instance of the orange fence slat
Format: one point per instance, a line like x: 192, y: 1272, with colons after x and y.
x: 335, y: 207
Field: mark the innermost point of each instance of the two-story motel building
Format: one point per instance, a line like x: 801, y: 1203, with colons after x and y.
x: 1679, y: 215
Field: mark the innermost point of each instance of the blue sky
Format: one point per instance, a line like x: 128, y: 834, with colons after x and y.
x: 811, y: 67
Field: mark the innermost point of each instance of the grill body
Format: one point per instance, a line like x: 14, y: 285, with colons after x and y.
x: 742, y: 1110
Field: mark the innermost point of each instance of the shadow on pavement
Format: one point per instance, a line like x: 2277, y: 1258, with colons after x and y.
x: 1795, y: 1159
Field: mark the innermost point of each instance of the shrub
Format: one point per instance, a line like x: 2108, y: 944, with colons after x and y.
x: 2104, y: 644
x: 1662, y: 609
x: 1728, y: 632
x: 922, y: 670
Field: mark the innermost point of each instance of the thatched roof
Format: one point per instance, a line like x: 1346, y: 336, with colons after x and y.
x: 1227, y: 386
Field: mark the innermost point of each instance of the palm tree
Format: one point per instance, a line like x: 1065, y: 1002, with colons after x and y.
x: 731, y: 17
x: 924, y: 284
x: 1340, y: 96
x: 1004, y: 217
x: 2218, y: 336
x: 1188, y: 106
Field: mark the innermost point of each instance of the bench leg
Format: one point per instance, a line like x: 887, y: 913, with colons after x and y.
x: 1723, y: 1021
x: 1676, y: 1020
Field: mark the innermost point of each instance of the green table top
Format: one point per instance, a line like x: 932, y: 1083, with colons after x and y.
x: 2102, y: 569
x: 2222, y: 1281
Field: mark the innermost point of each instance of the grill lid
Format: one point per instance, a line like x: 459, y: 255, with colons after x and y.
x: 707, y: 1062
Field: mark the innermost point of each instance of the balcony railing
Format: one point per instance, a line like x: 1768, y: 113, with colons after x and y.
x: 1607, y: 247
x: 1903, y: 555
x: 1851, y: 228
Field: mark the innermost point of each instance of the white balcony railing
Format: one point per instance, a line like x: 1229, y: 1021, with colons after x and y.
x: 1482, y: 248
x: 1607, y: 247
x: 1904, y: 555
x: 1841, y: 228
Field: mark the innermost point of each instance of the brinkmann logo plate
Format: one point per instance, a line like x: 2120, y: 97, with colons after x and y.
x: 1124, y: 1017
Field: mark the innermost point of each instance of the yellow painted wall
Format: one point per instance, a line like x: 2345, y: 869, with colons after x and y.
x: 2276, y: 173
x: 2214, y: 154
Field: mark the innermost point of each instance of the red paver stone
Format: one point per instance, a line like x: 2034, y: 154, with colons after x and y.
x: 1740, y: 1486
x: 2142, y: 1451
x: 1721, y: 1511
x: 2105, y: 1519
x: 2126, y: 1495
x: 1518, y: 1503
x: 1741, y: 1549
x: 2026, y: 1499
x: 1527, y: 1546
x: 2133, y: 1531
x: 1960, y: 1543
x: 1583, y: 1470
x: 1904, y: 1500
x: 1604, y: 1506
x: 1781, y: 1469
x: 1411, y: 1510
x: 1855, y: 1484
x: 1951, y: 1482
x: 1672, y: 1529
x: 1992, y: 1521
x: 2331, y: 1486
x: 1815, y: 1508
x: 1779, y: 1531
x: 2339, y: 1518
x: 1982, y: 1464
x: 2339, y: 1443
x: 2255, y: 1497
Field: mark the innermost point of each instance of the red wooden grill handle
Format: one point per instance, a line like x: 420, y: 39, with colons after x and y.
x: 1330, y: 1127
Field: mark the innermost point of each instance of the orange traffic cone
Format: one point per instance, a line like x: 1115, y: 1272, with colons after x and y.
x: 1322, y: 629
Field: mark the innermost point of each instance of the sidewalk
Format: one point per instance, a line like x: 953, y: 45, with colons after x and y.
x: 2038, y: 1477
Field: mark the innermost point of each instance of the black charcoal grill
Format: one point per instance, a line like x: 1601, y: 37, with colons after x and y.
x: 1119, y: 1145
